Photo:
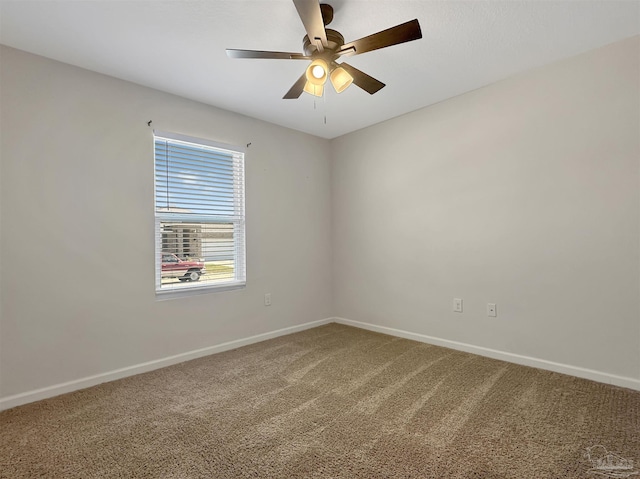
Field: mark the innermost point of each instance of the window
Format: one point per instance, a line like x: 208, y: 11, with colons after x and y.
x: 199, y: 214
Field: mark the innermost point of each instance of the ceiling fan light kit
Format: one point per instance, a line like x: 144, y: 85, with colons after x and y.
x: 324, y: 46
x: 317, y: 73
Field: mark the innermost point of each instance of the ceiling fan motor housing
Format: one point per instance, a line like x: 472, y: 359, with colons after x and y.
x: 334, y: 41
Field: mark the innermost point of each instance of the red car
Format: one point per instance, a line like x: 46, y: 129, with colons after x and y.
x: 184, y: 270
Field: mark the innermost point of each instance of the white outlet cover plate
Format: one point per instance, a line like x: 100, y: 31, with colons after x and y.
x: 457, y: 305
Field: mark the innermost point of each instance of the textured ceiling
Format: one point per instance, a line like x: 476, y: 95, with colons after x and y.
x: 178, y: 47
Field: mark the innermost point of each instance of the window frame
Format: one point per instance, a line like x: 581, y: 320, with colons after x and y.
x: 238, y: 219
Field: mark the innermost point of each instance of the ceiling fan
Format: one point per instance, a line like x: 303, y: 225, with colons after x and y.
x: 323, y: 47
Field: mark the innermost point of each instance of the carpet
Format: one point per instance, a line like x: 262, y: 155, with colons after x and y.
x: 330, y: 402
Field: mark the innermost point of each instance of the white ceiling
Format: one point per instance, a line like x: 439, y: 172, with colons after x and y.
x: 179, y: 47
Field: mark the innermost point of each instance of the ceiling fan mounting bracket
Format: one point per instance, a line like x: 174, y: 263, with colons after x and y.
x: 327, y: 13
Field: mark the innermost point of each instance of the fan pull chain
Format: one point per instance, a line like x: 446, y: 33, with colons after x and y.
x: 324, y: 102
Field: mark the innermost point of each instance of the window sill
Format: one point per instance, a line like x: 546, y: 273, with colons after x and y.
x: 184, y: 291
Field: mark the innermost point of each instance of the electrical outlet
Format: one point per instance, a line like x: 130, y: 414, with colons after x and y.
x: 457, y: 305
x: 267, y: 299
x: 491, y: 310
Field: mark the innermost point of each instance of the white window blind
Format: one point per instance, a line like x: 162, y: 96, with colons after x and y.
x: 199, y: 214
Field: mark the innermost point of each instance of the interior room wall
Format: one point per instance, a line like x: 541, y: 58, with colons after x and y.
x: 77, y: 243
x: 524, y: 193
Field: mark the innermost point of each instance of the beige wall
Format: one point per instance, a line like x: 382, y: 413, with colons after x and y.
x: 77, y: 277
x: 524, y: 193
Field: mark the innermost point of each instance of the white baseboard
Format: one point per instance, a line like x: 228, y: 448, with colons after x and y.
x: 504, y: 356
x: 57, y: 389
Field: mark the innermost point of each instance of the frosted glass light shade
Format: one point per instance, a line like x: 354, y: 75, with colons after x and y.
x: 315, y: 90
x: 340, y: 79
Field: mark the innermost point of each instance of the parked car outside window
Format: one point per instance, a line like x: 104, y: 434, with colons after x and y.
x: 184, y: 270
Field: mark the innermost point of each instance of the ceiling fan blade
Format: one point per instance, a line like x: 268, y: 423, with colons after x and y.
x: 233, y: 53
x: 361, y: 79
x: 311, y: 16
x: 402, y: 33
x: 296, y: 90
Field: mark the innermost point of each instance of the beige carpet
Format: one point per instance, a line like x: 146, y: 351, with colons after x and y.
x: 331, y: 402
